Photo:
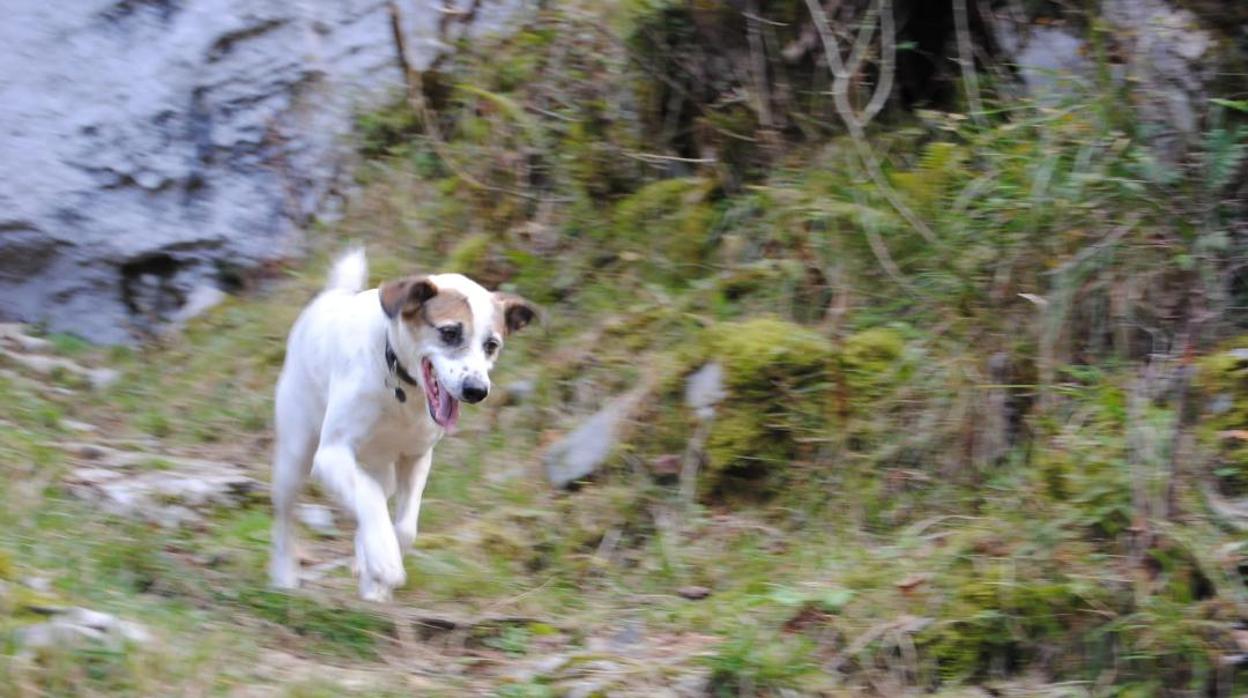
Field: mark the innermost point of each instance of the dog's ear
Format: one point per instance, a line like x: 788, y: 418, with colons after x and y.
x: 517, y: 312
x: 406, y: 295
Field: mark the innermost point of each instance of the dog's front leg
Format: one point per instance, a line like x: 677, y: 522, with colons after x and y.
x: 411, y: 473
x: 376, y: 548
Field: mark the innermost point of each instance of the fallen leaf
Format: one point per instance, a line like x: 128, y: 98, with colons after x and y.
x: 909, y: 584
x: 694, y: 593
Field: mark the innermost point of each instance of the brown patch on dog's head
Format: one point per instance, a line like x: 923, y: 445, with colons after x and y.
x: 418, y: 297
x: 407, y: 295
x: 448, y: 307
x: 515, y: 313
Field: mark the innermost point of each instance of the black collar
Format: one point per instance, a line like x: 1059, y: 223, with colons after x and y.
x: 396, y: 369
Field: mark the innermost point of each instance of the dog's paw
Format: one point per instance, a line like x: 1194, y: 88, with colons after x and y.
x: 387, y: 571
x: 382, y: 564
x: 406, y: 534
x: 376, y: 593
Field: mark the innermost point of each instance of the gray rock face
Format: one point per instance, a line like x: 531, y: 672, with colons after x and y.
x: 153, y: 148
x: 1170, y: 59
x: 1169, y: 62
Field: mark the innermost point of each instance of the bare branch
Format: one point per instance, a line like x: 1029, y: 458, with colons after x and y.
x: 859, y: 53
x: 888, y: 50
x: 758, y: 66
x: 966, y: 58
x: 855, y: 125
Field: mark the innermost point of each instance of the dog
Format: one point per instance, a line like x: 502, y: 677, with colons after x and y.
x: 372, y: 380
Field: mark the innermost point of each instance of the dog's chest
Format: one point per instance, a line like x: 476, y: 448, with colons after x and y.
x: 399, y: 430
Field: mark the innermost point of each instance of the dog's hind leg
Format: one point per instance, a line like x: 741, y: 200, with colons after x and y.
x: 292, y: 460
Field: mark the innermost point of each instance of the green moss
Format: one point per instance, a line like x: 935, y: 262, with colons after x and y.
x: 997, y: 621
x: 871, y: 360
x: 777, y: 389
x: 469, y: 255
x: 1222, y: 378
x: 668, y: 224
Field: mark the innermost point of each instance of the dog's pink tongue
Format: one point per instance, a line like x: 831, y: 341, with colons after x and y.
x: 448, y: 410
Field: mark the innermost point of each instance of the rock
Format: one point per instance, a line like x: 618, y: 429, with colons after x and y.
x: 200, y: 299
x: 1167, y: 59
x: 75, y: 425
x: 665, y: 465
x: 704, y: 389
x: 693, y: 593
x: 166, y: 490
x: 76, y: 627
x: 518, y: 392
x: 1050, y: 60
x: 579, y: 454
x: 39, y: 584
x: 1169, y: 62
x: 14, y: 334
x: 317, y: 517
x: 152, y: 151
x: 98, y: 378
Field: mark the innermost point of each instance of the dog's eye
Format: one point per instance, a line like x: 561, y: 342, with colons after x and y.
x: 451, y: 334
x: 491, y: 347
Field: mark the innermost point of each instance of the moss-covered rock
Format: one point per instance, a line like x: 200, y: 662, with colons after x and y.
x: 871, y: 360
x: 776, y: 394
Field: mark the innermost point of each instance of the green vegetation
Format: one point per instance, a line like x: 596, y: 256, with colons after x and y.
x: 1000, y: 457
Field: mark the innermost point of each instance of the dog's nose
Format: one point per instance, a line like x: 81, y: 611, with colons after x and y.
x: 475, y: 391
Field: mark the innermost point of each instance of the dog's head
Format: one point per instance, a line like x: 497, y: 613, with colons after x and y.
x: 452, y: 330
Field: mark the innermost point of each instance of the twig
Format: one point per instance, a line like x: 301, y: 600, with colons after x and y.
x: 758, y: 66
x: 855, y: 125
x: 400, y: 47
x: 655, y: 157
x: 966, y: 58
x: 888, y: 49
x: 691, y: 461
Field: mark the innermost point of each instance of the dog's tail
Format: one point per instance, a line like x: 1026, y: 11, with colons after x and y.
x: 350, y: 272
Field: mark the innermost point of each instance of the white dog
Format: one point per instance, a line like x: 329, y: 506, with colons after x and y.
x: 372, y: 381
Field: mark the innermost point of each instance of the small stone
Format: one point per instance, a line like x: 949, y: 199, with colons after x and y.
x: 317, y: 517
x: 201, y: 298
x: 694, y: 592
x: 579, y: 454
x: 705, y: 389
x: 79, y: 626
x: 101, y: 378
x: 518, y: 392
x: 90, y: 452
x: 75, y: 425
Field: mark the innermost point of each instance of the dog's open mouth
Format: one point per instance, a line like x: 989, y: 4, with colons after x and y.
x: 443, y: 408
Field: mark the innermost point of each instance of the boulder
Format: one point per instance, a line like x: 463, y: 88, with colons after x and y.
x: 154, y: 150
